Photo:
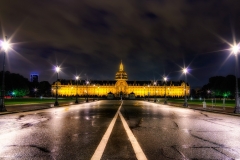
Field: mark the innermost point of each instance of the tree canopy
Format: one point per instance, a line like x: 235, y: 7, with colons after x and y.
x: 220, y: 86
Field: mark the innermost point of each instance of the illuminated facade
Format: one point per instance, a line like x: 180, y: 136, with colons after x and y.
x: 121, y: 86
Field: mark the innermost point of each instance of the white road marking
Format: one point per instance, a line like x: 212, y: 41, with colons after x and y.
x: 136, y: 147
x: 100, y: 149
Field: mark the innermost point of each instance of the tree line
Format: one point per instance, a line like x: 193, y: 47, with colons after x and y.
x: 18, y: 86
x: 218, y: 87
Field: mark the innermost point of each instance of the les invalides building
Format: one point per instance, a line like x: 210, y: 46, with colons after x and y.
x: 120, y: 87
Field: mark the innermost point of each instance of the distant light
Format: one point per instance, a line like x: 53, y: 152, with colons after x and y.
x: 165, y: 78
x: 77, y: 77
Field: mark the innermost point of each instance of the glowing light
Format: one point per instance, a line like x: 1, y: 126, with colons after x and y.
x: 77, y: 77
x: 235, y: 49
x: 57, y: 69
x: 5, y: 45
x: 185, y: 70
x: 165, y: 79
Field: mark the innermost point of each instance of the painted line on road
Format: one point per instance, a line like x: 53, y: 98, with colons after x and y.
x: 136, y: 147
x: 101, y: 147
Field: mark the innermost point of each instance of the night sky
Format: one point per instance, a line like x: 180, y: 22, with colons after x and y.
x: 90, y: 38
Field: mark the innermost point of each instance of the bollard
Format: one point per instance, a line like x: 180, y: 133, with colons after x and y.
x: 204, y: 104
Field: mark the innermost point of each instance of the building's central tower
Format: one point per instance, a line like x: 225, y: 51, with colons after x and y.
x: 121, y: 74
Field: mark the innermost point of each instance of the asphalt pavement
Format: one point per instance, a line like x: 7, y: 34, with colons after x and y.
x: 113, y: 129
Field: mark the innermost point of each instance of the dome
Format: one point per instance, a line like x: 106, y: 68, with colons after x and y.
x: 121, y: 74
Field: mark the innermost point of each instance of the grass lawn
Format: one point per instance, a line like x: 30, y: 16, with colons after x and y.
x: 228, y: 103
x: 19, y: 101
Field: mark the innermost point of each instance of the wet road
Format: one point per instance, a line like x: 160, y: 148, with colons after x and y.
x: 100, y: 130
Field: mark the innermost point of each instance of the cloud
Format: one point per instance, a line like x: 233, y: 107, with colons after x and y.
x: 151, y: 37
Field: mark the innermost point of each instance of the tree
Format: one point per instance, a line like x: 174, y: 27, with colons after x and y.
x: 15, y: 84
x: 220, y: 86
x: 44, y: 88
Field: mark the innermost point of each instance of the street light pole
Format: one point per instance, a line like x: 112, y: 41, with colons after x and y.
x: 155, y: 83
x: 77, y: 77
x: 185, y: 104
x: 5, y: 46
x: 235, y: 50
x: 35, y: 91
x: 148, y: 92
x: 94, y: 92
x: 56, y: 96
x: 165, y: 100
x: 87, y: 82
x: 144, y: 94
x: 98, y: 93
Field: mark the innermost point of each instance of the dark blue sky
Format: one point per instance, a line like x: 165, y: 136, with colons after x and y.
x: 91, y: 37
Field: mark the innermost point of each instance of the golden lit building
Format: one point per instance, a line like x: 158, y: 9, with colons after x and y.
x: 121, y: 86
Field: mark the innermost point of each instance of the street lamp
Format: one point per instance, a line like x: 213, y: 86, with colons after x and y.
x: 208, y: 91
x: 148, y: 92
x: 35, y: 91
x: 5, y: 47
x: 155, y: 83
x: 94, y: 92
x: 77, y: 77
x: 98, y: 93
x: 185, y: 104
x: 144, y: 94
x: 87, y: 82
x: 57, y: 69
x: 235, y: 50
x: 165, y: 80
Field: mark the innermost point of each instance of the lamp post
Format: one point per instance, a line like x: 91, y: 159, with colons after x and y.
x: 5, y: 46
x: 98, y: 93
x: 94, y: 92
x: 185, y: 104
x: 35, y: 91
x: 87, y: 82
x: 57, y: 69
x: 154, y: 84
x: 208, y: 91
x: 148, y: 92
x: 165, y: 80
x: 235, y: 50
x: 77, y: 77
x: 144, y: 94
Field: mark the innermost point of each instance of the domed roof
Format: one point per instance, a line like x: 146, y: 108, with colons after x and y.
x: 121, y: 74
